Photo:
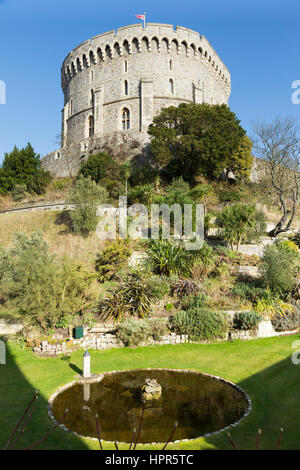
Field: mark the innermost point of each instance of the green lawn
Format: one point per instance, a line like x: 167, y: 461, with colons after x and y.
x: 262, y: 367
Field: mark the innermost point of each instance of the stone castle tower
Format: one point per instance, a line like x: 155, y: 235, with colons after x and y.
x: 115, y: 83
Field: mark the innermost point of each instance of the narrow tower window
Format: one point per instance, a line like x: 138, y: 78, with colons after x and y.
x: 126, y: 87
x: 91, y: 126
x: 170, y: 64
x: 92, y: 98
x: 125, y: 119
x: 171, y: 86
x: 125, y: 66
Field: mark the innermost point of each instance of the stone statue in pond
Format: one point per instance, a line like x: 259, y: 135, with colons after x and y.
x: 151, y: 390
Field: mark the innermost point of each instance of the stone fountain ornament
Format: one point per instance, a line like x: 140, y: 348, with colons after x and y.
x: 151, y: 390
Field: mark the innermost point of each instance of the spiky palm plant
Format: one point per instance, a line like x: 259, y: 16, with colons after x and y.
x: 169, y: 258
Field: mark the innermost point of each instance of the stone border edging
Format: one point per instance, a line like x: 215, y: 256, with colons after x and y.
x: 99, y: 377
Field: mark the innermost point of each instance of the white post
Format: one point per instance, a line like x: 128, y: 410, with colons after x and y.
x: 86, y: 364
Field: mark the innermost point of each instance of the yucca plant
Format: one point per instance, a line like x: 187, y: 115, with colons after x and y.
x: 185, y: 287
x: 167, y: 257
x: 205, y: 261
x: 134, y: 297
x: 138, y: 294
x: 114, y: 307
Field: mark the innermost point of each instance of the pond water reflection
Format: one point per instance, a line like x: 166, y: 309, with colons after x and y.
x: 200, y: 404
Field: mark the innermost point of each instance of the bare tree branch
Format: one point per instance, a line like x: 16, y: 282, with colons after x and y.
x: 278, y: 144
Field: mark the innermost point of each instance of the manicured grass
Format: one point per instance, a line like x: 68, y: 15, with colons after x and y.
x: 262, y: 367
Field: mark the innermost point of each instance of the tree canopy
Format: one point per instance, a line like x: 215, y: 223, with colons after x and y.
x: 194, y: 139
x: 23, y: 167
x: 103, y: 169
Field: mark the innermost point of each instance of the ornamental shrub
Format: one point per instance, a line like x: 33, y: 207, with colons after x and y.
x: 113, y: 258
x: 87, y: 196
x: 133, y: 332
x: 278, y: 268
x: 287, y: 322
x: 200, y: 324
x: 246, y: 320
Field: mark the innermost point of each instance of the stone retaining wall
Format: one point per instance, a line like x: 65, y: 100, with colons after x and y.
x: 99, y: 341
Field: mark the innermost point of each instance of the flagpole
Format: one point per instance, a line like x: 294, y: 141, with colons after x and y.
x: 144, y: 20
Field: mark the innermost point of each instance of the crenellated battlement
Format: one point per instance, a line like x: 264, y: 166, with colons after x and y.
x: 134, y: 38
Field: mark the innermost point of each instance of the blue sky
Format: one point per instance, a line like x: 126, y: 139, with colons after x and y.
x: 257, y: 40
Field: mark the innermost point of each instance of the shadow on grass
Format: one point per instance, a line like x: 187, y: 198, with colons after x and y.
x: 275, y: 399
x: 64, y: 220
x: 15, y: 395
x: 76, y: 369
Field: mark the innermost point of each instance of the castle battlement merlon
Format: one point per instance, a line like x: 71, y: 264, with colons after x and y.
x: 98, y: 46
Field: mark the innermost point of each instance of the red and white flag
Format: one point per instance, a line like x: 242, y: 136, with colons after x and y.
x: 141, y: 17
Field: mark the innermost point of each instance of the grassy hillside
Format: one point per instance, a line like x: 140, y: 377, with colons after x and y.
x: 81, y: 250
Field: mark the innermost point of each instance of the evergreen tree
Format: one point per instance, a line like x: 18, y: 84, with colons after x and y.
x: 23, y: 167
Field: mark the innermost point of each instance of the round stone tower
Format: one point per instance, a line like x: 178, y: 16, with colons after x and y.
x: 115, y: 83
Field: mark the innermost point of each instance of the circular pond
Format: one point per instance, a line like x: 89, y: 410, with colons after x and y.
x: 199, y: 403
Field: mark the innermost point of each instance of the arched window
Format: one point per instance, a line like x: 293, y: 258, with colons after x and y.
x: 125, y: 87
x: 125, y: 119
x: 91, y: 126
x: 125, y: 66
x: 171, y: 86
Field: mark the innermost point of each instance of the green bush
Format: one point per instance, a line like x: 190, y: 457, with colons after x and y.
x: 87, y: 196
x: 157, y: 328
x: 287, y: 322
x: 113, y: 258
x: 42, y: 290
x: 229, y: 196
x: 194, y: 301
x: 200, y: 324
x: 62, y: 184
x: 250, y: 292
x: 160, y: 287
x: 18, y: 192
x: 200, y: 191
x: 133, y: 332
x: 246, y: 320
x: 278, y: 269
x: 104, y: 170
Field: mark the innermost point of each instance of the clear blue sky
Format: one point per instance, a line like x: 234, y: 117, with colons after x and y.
x: 257, y: 40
